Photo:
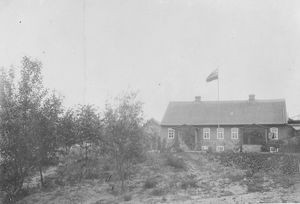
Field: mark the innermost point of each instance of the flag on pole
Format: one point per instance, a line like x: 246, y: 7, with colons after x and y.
x: 213, y: 76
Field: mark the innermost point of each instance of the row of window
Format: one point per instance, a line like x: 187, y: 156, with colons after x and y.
x: 218, y: 148
x: 221, y: 149
x: 220, y: 133
x: 206, y: 133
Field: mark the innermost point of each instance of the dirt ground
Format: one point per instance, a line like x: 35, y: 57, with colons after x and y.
x: 201, y: 181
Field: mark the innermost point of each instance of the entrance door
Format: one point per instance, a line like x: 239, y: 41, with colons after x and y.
x: 254, y: 136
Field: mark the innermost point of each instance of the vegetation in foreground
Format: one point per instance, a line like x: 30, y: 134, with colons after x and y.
x: 203, y: 179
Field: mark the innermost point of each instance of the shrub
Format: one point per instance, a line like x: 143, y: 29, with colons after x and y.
x: 175, y: 162
x: 189, y: 183
x: 150, y: 183
x: 255, y: 162
x: 127, y: 197
x: 157, y: 192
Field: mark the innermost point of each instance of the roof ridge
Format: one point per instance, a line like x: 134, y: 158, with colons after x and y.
x: 231, y: 101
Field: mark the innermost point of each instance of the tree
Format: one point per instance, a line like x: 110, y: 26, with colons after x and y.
x: 47, y: 125
x: 19, y: 108
x: 14, y: 152
x: 124, y: 131
x: 89, y: 128
x: 28, y: 124
x: 67, y: 130
x: 151, y: 133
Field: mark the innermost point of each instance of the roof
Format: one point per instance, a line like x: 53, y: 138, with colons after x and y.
x: 226, y: 112
x: 294, y: 124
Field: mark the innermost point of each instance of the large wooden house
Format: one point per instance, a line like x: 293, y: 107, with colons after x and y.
x: 242, y: 125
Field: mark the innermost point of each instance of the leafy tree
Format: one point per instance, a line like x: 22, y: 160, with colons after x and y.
x: 151, y: 133
x: 124, y: 131
x: 14, y: 153
x: 89, y: 128
x: 47, y: 125
x: 28, y: 123
x: 67, y: 130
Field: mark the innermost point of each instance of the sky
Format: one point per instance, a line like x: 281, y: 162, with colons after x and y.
x: 94, y: 50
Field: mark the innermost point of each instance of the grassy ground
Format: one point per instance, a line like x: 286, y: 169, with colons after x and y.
x: 177, y: 178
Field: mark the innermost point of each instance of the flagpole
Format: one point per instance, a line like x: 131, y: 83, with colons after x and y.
x: 218, y: 101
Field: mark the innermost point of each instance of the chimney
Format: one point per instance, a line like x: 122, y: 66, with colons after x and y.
x: 251, y: 97
x: 197, y: 98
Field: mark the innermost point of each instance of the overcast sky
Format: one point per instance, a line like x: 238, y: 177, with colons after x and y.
x: 163, y: 48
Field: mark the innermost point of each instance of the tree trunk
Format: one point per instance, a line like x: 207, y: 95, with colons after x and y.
x: 41, y: 175
x: 122, y: 178
x: 86, y: 154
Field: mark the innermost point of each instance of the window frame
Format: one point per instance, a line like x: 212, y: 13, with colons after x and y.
x: 217, y: 148
x: 206, y: 130
x: 235, y: 132
x: 204, y: 148
x: 218, y: 131
x: 276, y: 133
x: 171, y: 131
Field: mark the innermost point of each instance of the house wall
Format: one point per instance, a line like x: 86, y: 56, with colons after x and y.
x: 284, y: 132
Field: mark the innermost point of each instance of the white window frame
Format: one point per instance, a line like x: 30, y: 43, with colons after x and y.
x: 234, y: 133
x: 273, y: 149
x: 275, y: 131
x: 171, y: 133
x: 221, y: 132
x: 206, y: 131
x: 204, y: 148
x: 220, y: 148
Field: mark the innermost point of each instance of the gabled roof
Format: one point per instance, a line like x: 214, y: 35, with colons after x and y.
x: 226, y: 112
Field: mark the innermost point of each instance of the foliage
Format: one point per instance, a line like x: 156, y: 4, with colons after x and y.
x: 188, y: 138
x: 150, y: 183
x: 28, y: 126
x: 88, y: 127
x: 189, y: 182
x: 124, y: 133
x: 127, y: 197
x: 177, y: 163
x: 158, y: 192
x: 151, y: 134
x: 271, y: 143
x: 255, y: 162
x: 67, y: 130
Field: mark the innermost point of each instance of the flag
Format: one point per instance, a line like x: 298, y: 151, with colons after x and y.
x: 214, y: 75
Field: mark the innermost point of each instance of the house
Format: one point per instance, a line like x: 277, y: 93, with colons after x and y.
x: 241, y: 125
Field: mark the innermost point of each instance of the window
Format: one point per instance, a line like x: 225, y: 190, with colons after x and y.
x: 220, y: 133
x: 220, y: 148
x: 273, y: 133
x: 204, y: 148
x: 273, y: 149
x: 171, y: 133
x: 206, y: 133
x: 234, y: 133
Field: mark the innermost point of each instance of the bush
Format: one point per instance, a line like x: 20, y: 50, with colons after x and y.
x: 175, y: 162
x: 74, y: 171
x: 255, y: 162
x: 158, y: 192
x: 127, y: 197
x: 150, y: 183
x: 189, y: 183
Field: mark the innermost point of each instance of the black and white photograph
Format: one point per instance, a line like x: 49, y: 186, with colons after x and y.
x: 149, y: 101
